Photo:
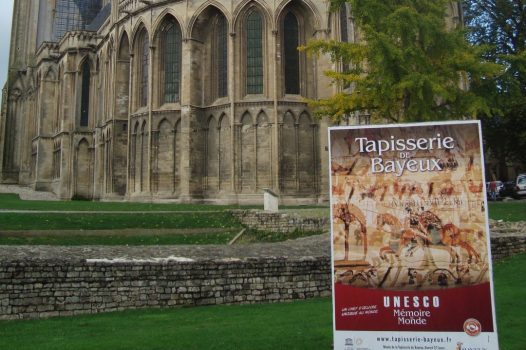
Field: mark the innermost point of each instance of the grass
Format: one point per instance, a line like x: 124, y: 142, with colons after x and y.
x: 508, y: 211
x: 299, y: 325
x: 86, y: 216
x: 510, y: 285
x: 13, y: 202
x: 46, y: 221
x: 253, y: 236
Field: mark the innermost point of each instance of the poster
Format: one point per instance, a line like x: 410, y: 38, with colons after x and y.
x: 410, y: 238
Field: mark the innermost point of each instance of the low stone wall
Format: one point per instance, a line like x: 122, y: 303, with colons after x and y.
x: 280, y: 222
x: 506, y: 246
x: 36, y: 284
x: 507, y: 238
x: 38, y: 289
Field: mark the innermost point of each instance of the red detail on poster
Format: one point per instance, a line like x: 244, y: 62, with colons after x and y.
x: 435, y: 310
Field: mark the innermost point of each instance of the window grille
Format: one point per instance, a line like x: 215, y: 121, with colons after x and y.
x: 254, y: 63
x: 144, y: 67
x: 222, y: 57
x: 292, y: 58
x: 172, y: 62
x: 85, y: 91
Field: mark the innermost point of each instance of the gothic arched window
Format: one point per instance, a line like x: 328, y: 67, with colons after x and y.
x: 292, y: 58
x: 221, y: 56
x: 346, y: 33
x: 171, y: 44
x: 85, y: 93
x: 344, y: 28
x: 254, y: 53
x: 144, y: 65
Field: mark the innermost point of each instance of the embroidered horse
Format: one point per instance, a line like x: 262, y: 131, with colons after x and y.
x: 348, y: 214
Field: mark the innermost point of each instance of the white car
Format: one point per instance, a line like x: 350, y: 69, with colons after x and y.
x: 520, y: 185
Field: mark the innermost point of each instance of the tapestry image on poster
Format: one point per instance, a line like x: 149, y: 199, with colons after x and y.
x: 409, y: 229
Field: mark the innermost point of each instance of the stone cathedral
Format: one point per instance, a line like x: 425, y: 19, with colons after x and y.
x: 183, y: 100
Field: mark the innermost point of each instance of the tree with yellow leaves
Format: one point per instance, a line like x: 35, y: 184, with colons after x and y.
x: 410, y: 65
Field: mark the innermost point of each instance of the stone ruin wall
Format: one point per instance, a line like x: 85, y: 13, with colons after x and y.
x: 41, y: 289
x: 507, y: 238
x: 32, y: 288
x: 280, y: 222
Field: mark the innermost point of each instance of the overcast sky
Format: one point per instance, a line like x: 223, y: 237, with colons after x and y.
x: 6, y: 13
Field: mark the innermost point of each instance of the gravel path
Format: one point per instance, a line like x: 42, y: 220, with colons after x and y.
x: 313, y: 246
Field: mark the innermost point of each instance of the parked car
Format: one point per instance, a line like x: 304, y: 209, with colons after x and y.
x: 520, y: 185
x: 508, y: 190
x: 500, y: 188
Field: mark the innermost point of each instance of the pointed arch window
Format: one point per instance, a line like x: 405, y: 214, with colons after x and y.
x: 221, y: 56
x: 144, y: 65
x: 344, y: 25
x: 345, y: 33
x: 292, y: 58
x: 254, y: 53
x: 85, y: 93
x: 171, y: 38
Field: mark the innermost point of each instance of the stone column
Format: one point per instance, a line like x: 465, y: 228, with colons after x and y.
x: 129, y: 152
x: 46, y: 115
x: 9, y: 170
x: 150, y: 124
x: 24, y: 145
x: 186, y: 124
x: 276, y: 124
x: 323, y: 90
x: 232, y: 70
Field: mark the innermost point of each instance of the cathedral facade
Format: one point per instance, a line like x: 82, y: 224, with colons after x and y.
x: 183, y: 100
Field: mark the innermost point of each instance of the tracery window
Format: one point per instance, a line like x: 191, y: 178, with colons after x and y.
x: 74, y: 15
x: 221, y: 56
x: 292, y: 58
x: 254, y: 64
x: 172, y: 38
x: 85, y: 93
x: 144, y: 64
x: 344, y: 27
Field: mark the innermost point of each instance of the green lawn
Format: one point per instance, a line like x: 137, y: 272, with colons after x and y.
x: 46, y: 221
x: 299, y: 325
x: 253, y: 236
x: 508, y: 211
x: 12, y: 201
x: 510, y: 288
x: 124, y: 215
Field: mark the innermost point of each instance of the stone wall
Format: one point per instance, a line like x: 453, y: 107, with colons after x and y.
x: 505, y: 246
x: 38, y: 289
x: 507, y: 238
x: 35, y: 284
x: 280, y: 222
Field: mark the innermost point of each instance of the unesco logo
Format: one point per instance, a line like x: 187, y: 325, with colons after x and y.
x: 351, y: 343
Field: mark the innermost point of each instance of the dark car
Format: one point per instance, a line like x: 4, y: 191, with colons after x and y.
x: 508, y: 190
